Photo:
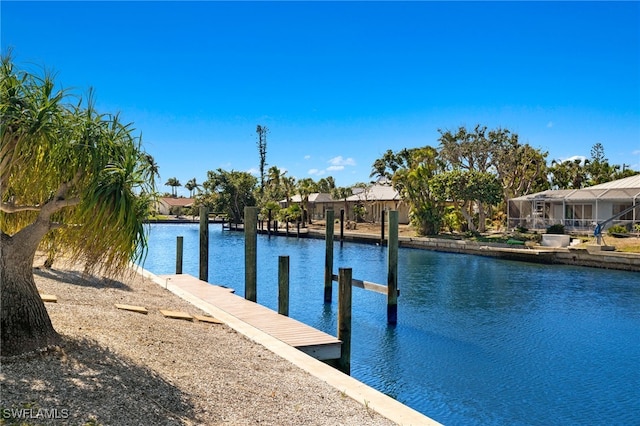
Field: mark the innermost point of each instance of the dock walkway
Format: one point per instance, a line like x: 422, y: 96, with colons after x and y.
x: 309, y: 340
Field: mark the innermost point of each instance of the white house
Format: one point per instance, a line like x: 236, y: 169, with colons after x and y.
x: 578, y: 210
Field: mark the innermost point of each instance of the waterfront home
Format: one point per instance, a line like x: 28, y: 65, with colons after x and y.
x: 173, y: 205
x: 374, y: 199
x: 379, y: 197
x: 579, y: 210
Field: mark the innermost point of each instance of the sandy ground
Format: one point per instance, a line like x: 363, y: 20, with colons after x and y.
x: 124, y: 368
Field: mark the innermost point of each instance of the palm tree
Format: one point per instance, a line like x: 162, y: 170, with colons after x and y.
x: 191, y: 186
x: 274, y: 189
x: 306, y: 187
x: 174, y: 183
x: 70, y: 175
x: 342, y: 193
x: 289, y: 187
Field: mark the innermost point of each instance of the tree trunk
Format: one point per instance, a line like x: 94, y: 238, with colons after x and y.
x: 25, y: 324
x: 482, y: 216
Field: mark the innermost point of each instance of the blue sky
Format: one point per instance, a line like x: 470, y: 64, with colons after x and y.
x: 339, y: 83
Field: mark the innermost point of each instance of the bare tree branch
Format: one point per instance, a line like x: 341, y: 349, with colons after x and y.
x: 12, y: 208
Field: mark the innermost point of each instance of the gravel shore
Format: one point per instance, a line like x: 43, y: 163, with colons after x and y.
x: 117, y: 367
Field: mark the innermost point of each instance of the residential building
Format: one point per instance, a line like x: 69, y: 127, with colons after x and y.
x: 579, y: 210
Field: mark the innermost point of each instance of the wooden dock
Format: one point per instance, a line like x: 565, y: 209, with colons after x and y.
x: 309, y: 340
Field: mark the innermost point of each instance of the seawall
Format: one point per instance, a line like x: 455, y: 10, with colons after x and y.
x: 591, y: 257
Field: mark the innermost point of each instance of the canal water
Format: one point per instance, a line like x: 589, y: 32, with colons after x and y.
x: 479, y: 341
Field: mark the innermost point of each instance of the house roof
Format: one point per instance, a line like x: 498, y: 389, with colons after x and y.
x: 177, y: 202
x: 624, y: 183
x: 376, y: 192
x: 316, y: 197
x: 620, y: 189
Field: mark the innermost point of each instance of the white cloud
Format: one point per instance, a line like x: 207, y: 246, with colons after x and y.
x: 335, y: 168
x: 340, y: 161
x: 307, y: 157
x: 550, y: 124
x: 316, y: 172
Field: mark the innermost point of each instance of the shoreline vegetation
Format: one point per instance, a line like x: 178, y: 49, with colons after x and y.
x: 117, y: 367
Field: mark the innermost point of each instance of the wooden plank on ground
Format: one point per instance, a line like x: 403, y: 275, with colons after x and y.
x: 205, y: 318
x: 176, y: 314
x: 132, y: 308
x: 49, y: 298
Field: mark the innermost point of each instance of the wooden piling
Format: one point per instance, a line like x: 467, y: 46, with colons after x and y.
x: 250, y: 253
x: 344, y: 318
x: 269, y: 224
x: 382, y: 228
x: 392, y: 274
x: 341, y: 227
x: 179, y: 252
x: 204, y: 244
x: 283, y: 285
x: 328, y: 257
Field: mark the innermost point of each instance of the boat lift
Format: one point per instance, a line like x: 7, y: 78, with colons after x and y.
x: 598, y: 231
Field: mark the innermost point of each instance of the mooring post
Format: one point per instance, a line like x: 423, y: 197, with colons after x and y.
x: 179, y: 251
x: 286, y: 227
x: 269, y: 224
x: 204, y: 243
x: 250, y: 253
x: 341, y: 227
x: 283, y: 285
x: 344, y: 318
x: 328, y: 257
x: 392, y: 274
x: 382, y: 228
x: 298, y: 229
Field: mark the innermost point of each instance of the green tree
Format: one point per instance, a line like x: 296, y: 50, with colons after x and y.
x: 521, y: 169
x: 306, y: 187
x: 274, y: 189
x: 174, y: 183
x: 67, y: 174
x: 289, y: 188
x: 419, y: 166
x: 598, y: 168
x: 568, y: 174
x: 233, y: 192
x: 342, y: 193
x: 326, y: 185
x: 472, y: 151
x: 464, y: 188
x: 386, y: 166
x: 191, y: 186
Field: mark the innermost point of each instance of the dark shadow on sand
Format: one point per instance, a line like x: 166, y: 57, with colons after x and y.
x: 112, y: 390
x: 80, y: 279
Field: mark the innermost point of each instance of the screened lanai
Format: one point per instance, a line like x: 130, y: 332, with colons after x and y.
x: 579, y: 210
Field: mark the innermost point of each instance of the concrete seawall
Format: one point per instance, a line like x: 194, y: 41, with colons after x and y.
x: 546, y: 255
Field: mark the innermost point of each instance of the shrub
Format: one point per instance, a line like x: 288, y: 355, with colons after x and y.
x: 556, y: 229
x: 617, y: 229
